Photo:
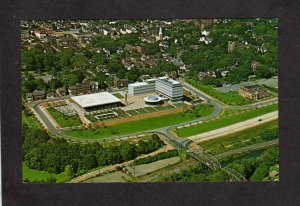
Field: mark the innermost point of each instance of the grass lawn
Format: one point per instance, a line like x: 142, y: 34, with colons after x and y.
x: 181, y: 104
x: 169, y: 107
x: 141, y: 111
x: 160, y: 108
x: 91, y: 118
x: 224, y: 121
x: 238, y: 139
x: 132, y: 112
x: 38, y: 176
x: 30, y: 121
x: 140, y: 125
x: 118, y: 95
x: 150, y: 109
x: 229, y: 112
x: 230, y: 98
x: 63, y: 120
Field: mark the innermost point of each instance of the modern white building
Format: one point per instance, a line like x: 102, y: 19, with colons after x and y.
x: 140, y: 88
x: 96, y: 101
x: 169, y: 88
x: 164, y: 86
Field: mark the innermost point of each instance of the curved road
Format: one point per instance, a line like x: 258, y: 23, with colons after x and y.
x: 164, y: 131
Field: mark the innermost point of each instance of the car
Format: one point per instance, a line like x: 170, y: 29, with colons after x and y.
x: 259, y: 120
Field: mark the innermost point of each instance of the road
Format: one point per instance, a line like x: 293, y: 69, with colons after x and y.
x: 164, y: 131
x: 235, y: 127
x: 248, y: 148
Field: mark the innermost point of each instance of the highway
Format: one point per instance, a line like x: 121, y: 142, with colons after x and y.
x: 235, y: 127
x: 165, y: 132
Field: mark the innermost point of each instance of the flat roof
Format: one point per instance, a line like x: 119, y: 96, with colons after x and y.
x: 136, y: 84
x: 90, y: 100
x: 166, y: 79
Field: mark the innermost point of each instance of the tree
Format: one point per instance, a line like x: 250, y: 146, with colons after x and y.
x: 121, y: 73
x: 34, y: 159
x: 51, y: 163
x: 151, y: 48
x: 133, y: 75
x: 263, y: 71
x: 79, y: 61
x: 69, y: 171
x: 54, y: 84
x: 101, y: 78
x: 114, y: 66
x: 28, y: 60
x: 261, y: 172
x: 269, y: 134
x: 127, y: 151
x: 65, y: 57
x: 218, y: 176
x: 69, y: 79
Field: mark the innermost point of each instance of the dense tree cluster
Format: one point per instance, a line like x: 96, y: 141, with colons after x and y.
x: 57, y: 155
x: 253, y: 168
x: 269, y: 134
x: 258, y: 46
x: 197, y: 173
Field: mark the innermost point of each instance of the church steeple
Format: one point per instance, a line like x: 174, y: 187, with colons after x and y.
x: 160, y: 34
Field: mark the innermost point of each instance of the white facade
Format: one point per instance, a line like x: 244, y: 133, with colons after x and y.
x: 169, y: 88
x: 164, y: 86
x: 140, y: 88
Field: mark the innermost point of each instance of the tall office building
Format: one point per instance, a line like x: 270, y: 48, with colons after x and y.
x: 169, y: 88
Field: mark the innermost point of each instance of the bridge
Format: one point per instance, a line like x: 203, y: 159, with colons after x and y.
x: 213, y: 164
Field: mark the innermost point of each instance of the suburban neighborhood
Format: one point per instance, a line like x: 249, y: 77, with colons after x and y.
x: 188, y: 100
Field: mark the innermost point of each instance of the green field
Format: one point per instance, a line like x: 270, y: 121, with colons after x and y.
x: 63, y: 120
x: 150, y: 109
x: 118, y: 95
x: 237, y: 140
x: 132, y: 112
x: 140, y: 125
x: 230, y: 98
x: 224, y: 121
x: 141, y: 111
x: 40, y: 176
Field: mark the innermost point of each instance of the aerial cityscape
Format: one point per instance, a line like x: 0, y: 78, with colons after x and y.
x: 181, y: 100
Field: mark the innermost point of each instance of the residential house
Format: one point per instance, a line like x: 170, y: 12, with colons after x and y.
x: 79, y: 89
x: 254, y: 92
x: 254, y: 65
x: 67, y: 42
x: 202, y: 75
x: 38, y: 95
x: 24, y: 34
x: 117, y: 82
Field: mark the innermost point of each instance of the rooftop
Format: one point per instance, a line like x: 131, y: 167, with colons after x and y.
x: 95, y: 99
x: 136, y: 84
x: 166, y: 79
